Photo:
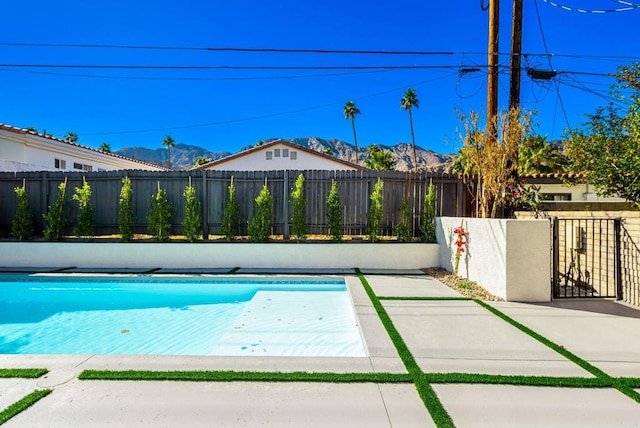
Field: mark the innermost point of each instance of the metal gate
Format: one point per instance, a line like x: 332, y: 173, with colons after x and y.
x: 586, y: 258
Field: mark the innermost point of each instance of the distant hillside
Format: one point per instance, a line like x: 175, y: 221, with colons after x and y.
x: 183, y: 156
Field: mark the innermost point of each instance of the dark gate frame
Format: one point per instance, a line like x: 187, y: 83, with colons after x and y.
x: 586, y: 258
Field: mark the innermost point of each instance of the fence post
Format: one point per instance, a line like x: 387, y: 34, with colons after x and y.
x: 617, y: 258
x: 205, y: 207
x: 285, y: 205
x: 555, y: 254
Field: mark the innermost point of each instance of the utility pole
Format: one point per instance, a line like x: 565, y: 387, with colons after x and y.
x: 492, y: 84
x: 516, y: 55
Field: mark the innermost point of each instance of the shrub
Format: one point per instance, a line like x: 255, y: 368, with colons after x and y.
x: 192, y: 220
x: 334, y: 213
x: 299, y: 203
x: 55, y: 216
x: 403, y: 228
x: 22, y: 227
x: 428, y: 224
x: 159, y: 217
x: 230, y: 226
x: 260, y: 225
x: 374, y: 224
x: 127, y: 217
x: 86, y: 213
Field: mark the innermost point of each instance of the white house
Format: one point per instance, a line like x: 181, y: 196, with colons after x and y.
x: 278, y: 155
x: 568, y: 192
x: 24, y: 150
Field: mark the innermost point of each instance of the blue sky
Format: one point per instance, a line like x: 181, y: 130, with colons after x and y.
x: 227, y: 109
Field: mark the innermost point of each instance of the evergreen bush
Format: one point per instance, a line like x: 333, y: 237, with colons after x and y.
x: 192, y: 220
x: 299, y: 203
x: 230, y: 226
x: 334, y: 213
x: 55, y: 217
x: 428, y: 223
x: 403, y: 228
x: 260, y: 225
x: 22, y: 227
x: 374, y: 225
x: 86, y: 220
x: 159, y: 217
x: 127, y: 218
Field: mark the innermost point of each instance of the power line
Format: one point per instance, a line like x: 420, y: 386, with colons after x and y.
x: 306, y: 51
x: 266, y: 116
x: 234, y: 67
x: 231, y: 49
x: 574, y: 9
x: 546, y: 48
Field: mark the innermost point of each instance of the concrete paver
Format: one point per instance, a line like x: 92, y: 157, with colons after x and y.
x: 524, y: 406
x: 602, y: 332
x: 409, y: 286
x: 443, y: 336
x: 178, y: 404
x: 12, y: 390
x: 461, y: 336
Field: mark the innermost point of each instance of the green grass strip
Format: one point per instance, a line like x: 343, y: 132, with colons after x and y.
x: 234, y: 270
x: 244, y: 376
x: 620, y: 385
x: 23, y: 404
x: 566, y: 382
x: 633, y: 382
x: 429, y: 397
x: 423, y: 298
x: 23, y: 373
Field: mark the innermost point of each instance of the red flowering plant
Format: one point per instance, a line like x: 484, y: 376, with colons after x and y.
x: 460, y: 243
x: 523, y: 197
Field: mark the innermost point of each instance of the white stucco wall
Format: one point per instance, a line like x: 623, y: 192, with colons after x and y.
x: 218, y: 255
x: 257, y: 161
x: 579, y: 192
x: 509, y: 258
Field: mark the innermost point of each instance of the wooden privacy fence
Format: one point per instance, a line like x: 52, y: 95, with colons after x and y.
x: 211, y: 188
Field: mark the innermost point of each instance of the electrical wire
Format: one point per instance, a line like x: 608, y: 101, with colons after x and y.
x: 546, y: 48
x: 266, y: 116
x: 573, y: 9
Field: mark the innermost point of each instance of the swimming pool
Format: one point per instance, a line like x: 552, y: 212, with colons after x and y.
x: 178, y: 315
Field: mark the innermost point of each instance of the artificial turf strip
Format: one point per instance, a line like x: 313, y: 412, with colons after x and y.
x: 617, y: 384
x: 423, y: 298
x: 23, y: 404
x: 563, y: 382
x: 429, y: 397
x: 244, y: 376
x: 23, y: 373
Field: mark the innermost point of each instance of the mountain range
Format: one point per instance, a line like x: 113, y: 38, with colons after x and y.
x: 183, y: 156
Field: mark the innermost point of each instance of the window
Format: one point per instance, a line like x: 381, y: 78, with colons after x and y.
x: 102, y: 170
x: 285, y: 153
x: 276, y: 153
x: 60, y: 164
x: 77, y: 165
x: 87, y: 168
x: 269, y: 155
x: 293, y: 155
x: 556, y: 196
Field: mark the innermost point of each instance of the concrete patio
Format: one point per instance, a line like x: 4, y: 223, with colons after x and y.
x: 444, y: 336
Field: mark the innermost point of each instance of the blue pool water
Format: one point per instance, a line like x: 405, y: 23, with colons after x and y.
x: 180, y: 315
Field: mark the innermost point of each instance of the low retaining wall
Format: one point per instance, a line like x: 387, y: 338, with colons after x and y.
x: 509, y: 258
x: 219, y: 255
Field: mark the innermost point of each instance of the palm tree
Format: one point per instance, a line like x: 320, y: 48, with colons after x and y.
x: 350, y: 110
x: 409, y: 100
x: 379, y: 160
x: 537, y: 155
x: 71, y: 137
x: 168, y: 142
x: 105, y: 147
